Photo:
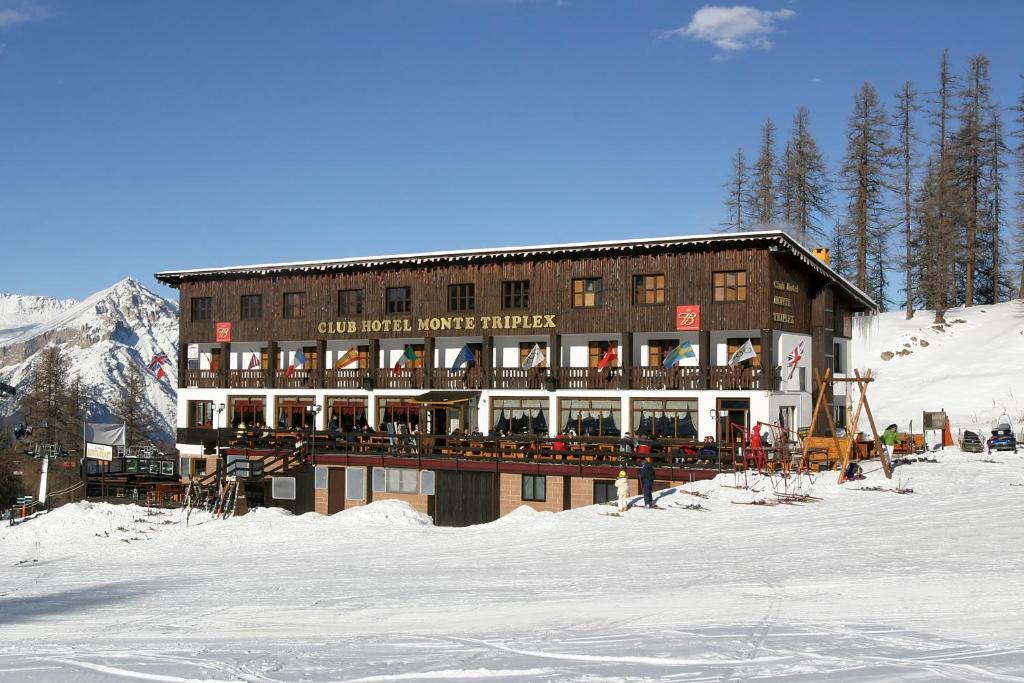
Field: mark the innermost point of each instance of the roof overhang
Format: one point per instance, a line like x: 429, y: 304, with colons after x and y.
x: 446, y: 397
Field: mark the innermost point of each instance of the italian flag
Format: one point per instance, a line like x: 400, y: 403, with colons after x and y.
x: 408, y: 355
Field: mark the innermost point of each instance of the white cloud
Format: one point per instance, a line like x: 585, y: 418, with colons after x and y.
x: 733, y: 28
x: 13, y: 14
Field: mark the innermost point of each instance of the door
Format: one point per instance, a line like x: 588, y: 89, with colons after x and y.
x: 733, y: 419
x: 439, y: 421
x: 335, y: 490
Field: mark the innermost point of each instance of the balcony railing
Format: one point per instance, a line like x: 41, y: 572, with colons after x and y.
x: 591, y: 378
x: 643, y: 378
x: 299, y: 379
x: 469, y: 378
x: 517, y: 378
x: 344, y: 379
x: 248, y: 379
x: 386, y: 378
x: 201, y: 379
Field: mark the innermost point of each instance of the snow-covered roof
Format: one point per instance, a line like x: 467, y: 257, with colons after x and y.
x: 176, y: 277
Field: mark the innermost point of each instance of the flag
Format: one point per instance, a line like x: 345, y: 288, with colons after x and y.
x: 156, y: 365
x: 608, y: 357
x: 465, y: 356
x: 743, y: 353
x: 408, y: 355
x: 678, y: 354
x: 298, y: 360
x: 349, y: 356
x: 254, y: 362
x: 793, y: 359
x: 534, y: 359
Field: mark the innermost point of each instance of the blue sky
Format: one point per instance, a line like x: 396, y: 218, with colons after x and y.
x: 137, y: 137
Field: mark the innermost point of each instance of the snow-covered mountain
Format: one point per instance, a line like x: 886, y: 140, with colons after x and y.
x: 102, y: 335
x: 972, y: 367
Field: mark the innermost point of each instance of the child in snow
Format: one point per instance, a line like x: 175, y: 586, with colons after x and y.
x: 622, y: 487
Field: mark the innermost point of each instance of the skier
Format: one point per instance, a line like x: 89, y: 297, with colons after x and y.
x: 622, y: 487
x: 889, y: 440
x: 647, y: 481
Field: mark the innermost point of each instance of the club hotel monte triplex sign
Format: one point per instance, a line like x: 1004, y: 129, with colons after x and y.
x: 436, y: 324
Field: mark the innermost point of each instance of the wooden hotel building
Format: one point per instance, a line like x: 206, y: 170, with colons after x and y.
x: 543, y: 347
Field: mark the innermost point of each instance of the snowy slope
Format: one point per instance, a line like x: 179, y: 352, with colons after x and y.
x: 103, y: 334
x: 860, y: 586
x: 973, y: 367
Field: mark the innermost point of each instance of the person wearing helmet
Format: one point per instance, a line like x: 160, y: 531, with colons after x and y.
x: 622, y: 487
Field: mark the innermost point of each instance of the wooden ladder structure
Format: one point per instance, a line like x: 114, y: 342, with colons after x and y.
x: 862, y: 381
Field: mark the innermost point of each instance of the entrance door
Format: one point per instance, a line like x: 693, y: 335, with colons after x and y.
x: 438, y: 420
x: 733, y: 416
x: 335, y: 490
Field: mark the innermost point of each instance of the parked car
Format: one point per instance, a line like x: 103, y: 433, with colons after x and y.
x: 1002, y: 438
x: 970, y: 442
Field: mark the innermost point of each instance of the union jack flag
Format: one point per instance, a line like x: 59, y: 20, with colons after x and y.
x: 157, y: 365
x: 793, y: 359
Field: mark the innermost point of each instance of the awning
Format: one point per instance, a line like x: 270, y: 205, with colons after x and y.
x: 445, y: 397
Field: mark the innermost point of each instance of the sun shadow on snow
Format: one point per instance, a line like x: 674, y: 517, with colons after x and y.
x: 65, y: 603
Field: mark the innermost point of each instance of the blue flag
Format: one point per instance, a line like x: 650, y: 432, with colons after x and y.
x: 465, y: 357
x: 678, y: 355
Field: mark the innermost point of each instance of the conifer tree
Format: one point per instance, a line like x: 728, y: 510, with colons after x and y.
x: 906, y: 107
x: 806, y: 185
x: 738, y: 199
x: 1019, y: 161
x: 864, y: 181
x: 132, y: 407
x: 763, y: 198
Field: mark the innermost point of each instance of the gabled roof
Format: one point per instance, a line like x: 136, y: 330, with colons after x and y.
x: 467, y: 256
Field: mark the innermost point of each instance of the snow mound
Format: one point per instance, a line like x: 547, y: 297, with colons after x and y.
x: 391, y: 513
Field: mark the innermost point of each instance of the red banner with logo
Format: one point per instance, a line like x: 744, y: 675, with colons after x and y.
x: 687, y: 318
x: 223, y: 332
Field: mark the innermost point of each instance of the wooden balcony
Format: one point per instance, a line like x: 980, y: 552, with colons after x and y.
x: 387, y: 378
x: 724, y: 377
x: 201, y: 379
x: 469, y: 378
x: 517, y: 378
x: 591, y: 378
x: 299, y: 379
x: 248, y: 379
x: 642, y: 378
x: 344, y: 379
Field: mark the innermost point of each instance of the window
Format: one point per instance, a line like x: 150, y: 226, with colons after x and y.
x: 734, y: 343
x: 248, y: 409
x: 515, y: 294
x: 588, y: 417
x: 604, y: 491
x: 350, y: 302
x: 399, y: 300
x: 525, y: 348
x: 838, y: 366
x: 252, y: 306
x: 535, y: 487
x: 402, y: 413
x: 731, y: 286
x: 346, y: 414
x: 657, y: 349
x: 198, y: 467
x: 461, y: 297
x: 295, y: 304
x: 587, y: 292
x: 673, y: 418
x: 520, y: 415
x: 400, y: 480
x: 200, y: 414
x: 202, y: 308
x: 597, y: 351
x: 648, y: 289
x: 839, y: 416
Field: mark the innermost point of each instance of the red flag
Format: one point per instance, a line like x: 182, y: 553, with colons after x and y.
x: 608, y: 357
